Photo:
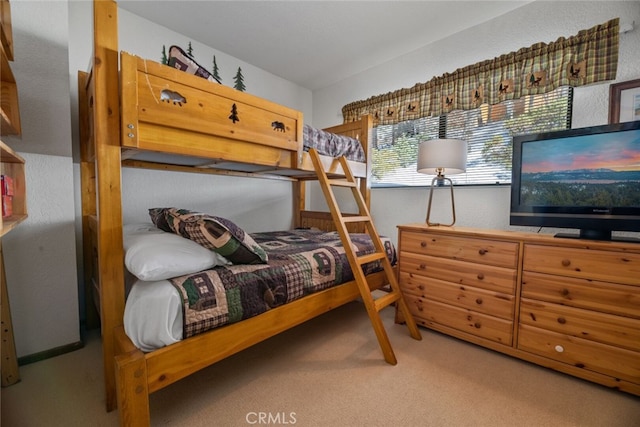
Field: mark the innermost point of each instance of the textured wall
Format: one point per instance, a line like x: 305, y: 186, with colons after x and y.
x: 40, y: 254
x: 40, y: 259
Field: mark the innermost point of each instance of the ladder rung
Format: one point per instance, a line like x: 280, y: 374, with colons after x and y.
x: 371, y: 257
x: 341, y: 183
x: 373, y: 305
x: 386, y: 300
x: 356, y: 218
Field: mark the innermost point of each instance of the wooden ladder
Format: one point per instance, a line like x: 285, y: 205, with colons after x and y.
x: 373, y: 305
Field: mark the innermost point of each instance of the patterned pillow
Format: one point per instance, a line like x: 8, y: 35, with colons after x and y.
x: 179, y: 59
x: 217, y: 234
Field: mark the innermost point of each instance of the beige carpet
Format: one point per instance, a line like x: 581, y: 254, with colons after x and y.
x: 330, y: 372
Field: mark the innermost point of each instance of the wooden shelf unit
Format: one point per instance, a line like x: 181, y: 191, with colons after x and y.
x: 9, y: 111
x: 12, y: 165
x: 6, y: 31
x: 571, y: 305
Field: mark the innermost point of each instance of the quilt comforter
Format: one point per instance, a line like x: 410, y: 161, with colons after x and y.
x: 332, y: 144
x: 301, y: 262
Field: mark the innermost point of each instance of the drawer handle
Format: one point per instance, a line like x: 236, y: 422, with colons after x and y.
x: 479, y: 301
x: 480, y: 276
x: 477, y: 325
x: 566, y: 262
x: 423, y: 244
x: 423, y: 266
x: 564, y: 292
x: 421, y: 287
x: 482, y: 251
x: 562, y: 320
x: 559, y: 348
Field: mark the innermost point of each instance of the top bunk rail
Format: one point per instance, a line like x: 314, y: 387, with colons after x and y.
x: 172, y: 119
x: 170, y: 111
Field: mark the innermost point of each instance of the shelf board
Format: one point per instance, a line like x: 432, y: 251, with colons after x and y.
x: 7, y: 155
x: 10, y: 123
x: 11, y: 222
x: 6, y: 32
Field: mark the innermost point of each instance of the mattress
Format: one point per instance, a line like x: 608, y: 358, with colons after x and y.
x: 300, y: 262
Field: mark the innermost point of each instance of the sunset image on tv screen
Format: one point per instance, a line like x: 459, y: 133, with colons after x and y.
x: 587, y: 170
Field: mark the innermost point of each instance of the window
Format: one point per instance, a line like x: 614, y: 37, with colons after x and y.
x: 488, y: 131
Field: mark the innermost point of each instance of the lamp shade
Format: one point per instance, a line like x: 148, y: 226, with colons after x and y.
x: 450, y: 155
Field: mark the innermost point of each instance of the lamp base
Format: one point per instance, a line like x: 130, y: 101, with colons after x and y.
x: 440, y: 180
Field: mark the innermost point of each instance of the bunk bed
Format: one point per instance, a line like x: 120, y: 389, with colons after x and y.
x: 141, y: 114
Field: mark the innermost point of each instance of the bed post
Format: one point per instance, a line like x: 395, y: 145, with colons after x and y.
x: 88, y: 193
x: 106, y: 122
x: 365, y: 140
x: 299, y: 202
x: 131, y: 383
x: 299, y: 186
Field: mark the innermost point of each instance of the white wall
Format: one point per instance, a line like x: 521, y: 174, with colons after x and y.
x: 40, y: 256
x: 540, y: 21
x: 40, y: 259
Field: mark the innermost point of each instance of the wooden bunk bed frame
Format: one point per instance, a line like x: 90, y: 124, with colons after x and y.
x: 121, y: 119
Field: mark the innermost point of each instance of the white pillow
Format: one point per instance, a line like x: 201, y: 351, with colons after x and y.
x: 139, y: 228
x: 152, y: 254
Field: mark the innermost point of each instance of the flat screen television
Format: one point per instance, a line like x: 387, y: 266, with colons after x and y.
x: 586, y: 179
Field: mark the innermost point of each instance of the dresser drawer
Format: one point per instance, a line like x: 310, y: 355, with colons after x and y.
x: 608, y: 266
x: 601, y: 327
x: 588, y: 294
x: 481, y: 276
x: 463, y: 296
x: 426, y: 312
x: 482, y: 251
x: 589, y: 355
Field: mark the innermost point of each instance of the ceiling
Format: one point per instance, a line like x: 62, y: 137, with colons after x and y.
x: 317, y: 43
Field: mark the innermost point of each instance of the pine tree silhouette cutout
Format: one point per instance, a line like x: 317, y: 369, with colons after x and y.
x: 239, y: 81
x: 216, y: 72
x: 164, y: 59
x: 234, y: 114
x: 190, y: 50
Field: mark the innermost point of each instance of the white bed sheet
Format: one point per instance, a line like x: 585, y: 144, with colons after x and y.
x: 153, y: 315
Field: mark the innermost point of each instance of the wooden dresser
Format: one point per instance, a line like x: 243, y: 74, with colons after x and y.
x: 568, y: 304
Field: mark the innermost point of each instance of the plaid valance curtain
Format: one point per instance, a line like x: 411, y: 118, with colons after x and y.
x: 590, y: 56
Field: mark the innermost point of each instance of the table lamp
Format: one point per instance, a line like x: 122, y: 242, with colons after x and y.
x: 440, y: 156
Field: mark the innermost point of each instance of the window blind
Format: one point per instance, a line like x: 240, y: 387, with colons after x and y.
x: 488, y: 130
